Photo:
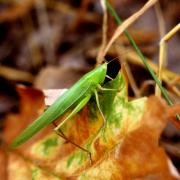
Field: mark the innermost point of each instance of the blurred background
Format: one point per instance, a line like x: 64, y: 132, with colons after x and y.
x: 50, y: 44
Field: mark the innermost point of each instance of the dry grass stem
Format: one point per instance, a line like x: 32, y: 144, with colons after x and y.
x: 171, y: 33
x: 162, y: 53
x: 131, y: 79
x: 176, y: 90
x: 100, y: 56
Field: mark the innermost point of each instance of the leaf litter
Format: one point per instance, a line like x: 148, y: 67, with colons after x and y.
x: 130, y: 141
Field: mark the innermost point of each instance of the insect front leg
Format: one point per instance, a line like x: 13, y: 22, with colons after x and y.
x: 106, y: 89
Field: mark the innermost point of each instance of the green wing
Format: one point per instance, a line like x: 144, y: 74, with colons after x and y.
x: 60, y: 106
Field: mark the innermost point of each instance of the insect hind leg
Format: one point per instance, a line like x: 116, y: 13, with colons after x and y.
x: 106, y: 89
x: 61, y: 134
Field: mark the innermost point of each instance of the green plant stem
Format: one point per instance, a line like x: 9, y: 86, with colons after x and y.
x: 133, y: 43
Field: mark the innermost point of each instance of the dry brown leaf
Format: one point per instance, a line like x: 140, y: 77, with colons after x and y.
x: 3, y: 162
x: 19, y: 167
x: 138, y: 156
x: 172, y: 112
x: 138, y: 146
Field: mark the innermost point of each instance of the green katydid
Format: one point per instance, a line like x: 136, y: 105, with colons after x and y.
x: 76, y: 97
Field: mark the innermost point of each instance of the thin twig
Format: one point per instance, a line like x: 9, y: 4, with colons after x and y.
x: 100, y: 56
x: 131, y: 79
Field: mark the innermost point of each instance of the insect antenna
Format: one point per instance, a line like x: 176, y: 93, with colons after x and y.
x: 107, y: 61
